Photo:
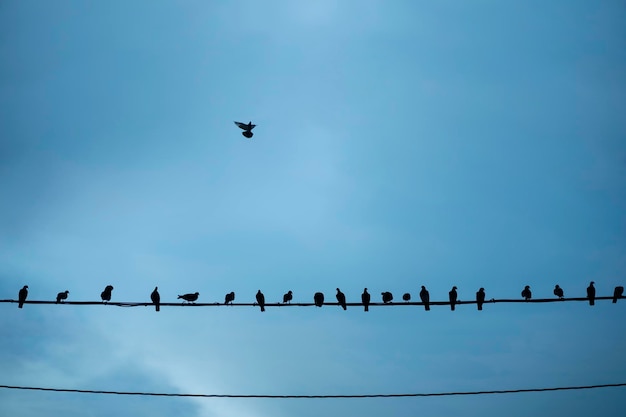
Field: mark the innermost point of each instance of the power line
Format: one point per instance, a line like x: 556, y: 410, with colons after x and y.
x: 436, y: 394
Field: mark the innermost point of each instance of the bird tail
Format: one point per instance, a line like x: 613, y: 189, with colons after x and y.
x: 157, y: 307
x: 366, y: 308
x: 452, y: 306
x: 592, y: 301
x: 480, y: 306
x: 426, y: 307
x: 262, y: 308
x: 20, y: 305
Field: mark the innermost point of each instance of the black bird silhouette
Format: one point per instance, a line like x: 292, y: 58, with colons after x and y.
x: 558, y: 291
x: 425, y: 297
x: 106, y: 294
x: 62, y: 296
x: 288, y: 297
x: 318, y: 298
x: 406, y: 297
x: 387, y: 297
x: 453, y: 296
x: 591, y: 293
x: 618, y: 293
x: 247, y: 129
x: 260, y: 299
x: 156, y: 299
x: 190, y: 298
x: 21, y: 297
x: 526, y: 293
x: 365, y: 299
x: 480, y: 298
x: 341, y: 299
x: 229, y: 298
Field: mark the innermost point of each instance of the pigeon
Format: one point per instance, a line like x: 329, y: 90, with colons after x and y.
x: 387, y: 297
x: 591, y: 293
x: 558, y: 291
x: 618, y: 293
x: 22, y: 296
x: 288, y: 297
x: 526, y: 293
x: 425, y: 297
x: 247, y: 129
x: 365, y: 299
x: 319, y: 299
x: 106, y: 294
x: 156, y: 299
x: 452, y: 295
x: 62, y: 296
x: 480, y: 298
x: 190, y: 298
x: 229, y: 298
x: 406, y: 297
x: 341, y: 299
x: 260, y: 299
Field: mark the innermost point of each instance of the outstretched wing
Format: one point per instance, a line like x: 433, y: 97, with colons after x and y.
x: 244, y: 126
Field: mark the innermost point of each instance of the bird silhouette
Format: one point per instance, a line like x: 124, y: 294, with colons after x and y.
x: 247, y: 129
x: 341, y: 299
x: 288, y: 297
x: 62, y: 296
x: 318, y: 298
x: 406, y: 297
x: 526, y: 293
x: 453, y: 296
x: 106, y: 294
x: 260, y: 299
x: 365, y: 299
x: 591, y: 293
x: 480, y: 298
x: 387, y: 297
x: 229, y: 298
x: 558, y: 291
x: 618, y: 293
x: 21, y: 296
x: 425, y: 297
x: 190, y: 298
x: 156, y: 299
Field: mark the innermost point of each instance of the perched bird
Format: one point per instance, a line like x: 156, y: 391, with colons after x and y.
x: 618, y: 293
x: 156, y: 299
x: 190, y: 298
x: 318, y: 298
x: 62, y: 296
x: 341, y: 299
x: 260, y: 299
x: 591, y: 293
x: 453, y: 296
x: 558, y: 291
x: 229, y: 298
x: 106, y: 294
x: 288, y: 297
x: 387, y: 297
x: 480, y: 298
x: 247, y: 129
x: 425, y: 297
x: 365, y: 299
x: 526, y: 293
x: 406, y: 297
x: 21, y: 297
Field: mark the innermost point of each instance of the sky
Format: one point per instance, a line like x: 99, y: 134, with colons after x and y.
x: 398, y: 144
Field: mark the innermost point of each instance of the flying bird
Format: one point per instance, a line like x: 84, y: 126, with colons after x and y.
x: 387, y: 297
x: 406, y: 297
x: 156, y: 299
x: 618, y: 293
x: 558, y: 291
x: 480, y: 298
x: 318, y: 298
x: 260, y: 299
x: 62, y: 296
x: 190, y: 298
x: 341, y: 299
x: 526, y: 293
x: 21, y: 297
x: 106, y: 294
x: 425, y: 297
x: 229, y: 298
x: 453, y: 296
x: 591, y: 293
x: 365, y: 299
x: 247, y: 129
x: 288, y: 297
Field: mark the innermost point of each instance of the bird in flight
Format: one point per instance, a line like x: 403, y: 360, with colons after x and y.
x: 156, y: 299
x: 21, y: 297
x: 62, y: 296
x: 247, y: 129
x: 190, y: 298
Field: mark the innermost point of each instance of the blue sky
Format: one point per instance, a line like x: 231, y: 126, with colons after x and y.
x: 398, y: 144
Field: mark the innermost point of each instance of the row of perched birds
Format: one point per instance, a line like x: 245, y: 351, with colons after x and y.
x: 318, y: 297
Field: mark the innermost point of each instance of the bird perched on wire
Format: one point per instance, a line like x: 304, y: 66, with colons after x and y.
x: 229, y: 298
x: 480, y: 298
x: 618, y: 293
x: 190, y: 298
x: 425, y: 297
x: 62, y: 296
x: 558, y: 291
x: 21, y: 296
x: 106, y: 294
x: 341, y: 299
x: 365, y: 299
x: 387, y: 297
x: 452, y: 295
x: 287, y: 297
x: 260, y: 299
x: 318, y: 298
x: 591, y: 293
x: 406, y: 297
x: 526, y: 293
x: 247, y: 129
x: 156, y: 299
